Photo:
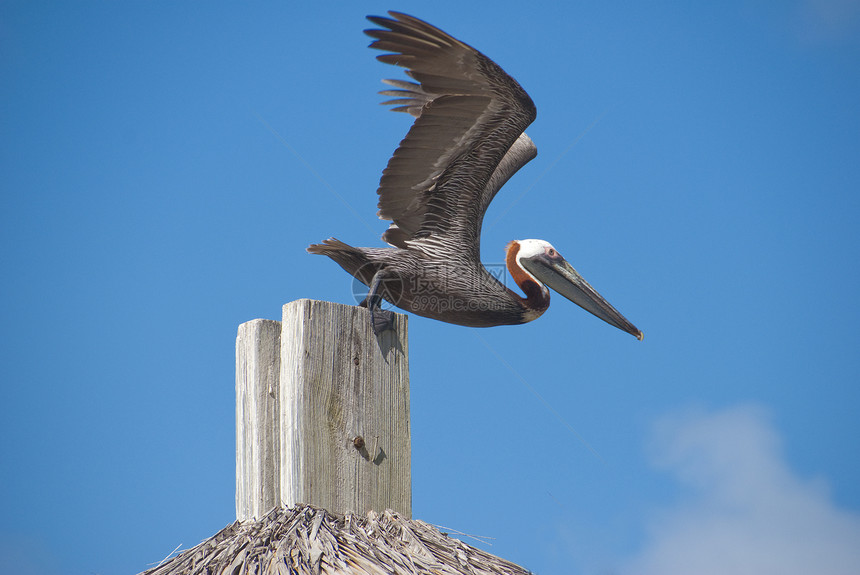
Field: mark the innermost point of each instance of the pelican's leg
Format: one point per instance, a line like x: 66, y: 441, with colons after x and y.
x: 380, y: 319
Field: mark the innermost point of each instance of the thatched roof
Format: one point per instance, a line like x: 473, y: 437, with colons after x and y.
x: 307, y: 540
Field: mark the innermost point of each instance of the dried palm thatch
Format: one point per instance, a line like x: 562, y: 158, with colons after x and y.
x: 306, y: 540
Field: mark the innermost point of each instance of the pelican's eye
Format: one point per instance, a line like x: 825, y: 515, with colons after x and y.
x: 551, y: 252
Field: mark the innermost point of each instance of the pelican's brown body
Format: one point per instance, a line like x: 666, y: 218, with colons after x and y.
x: 467, y: 140
x: 456, y: 292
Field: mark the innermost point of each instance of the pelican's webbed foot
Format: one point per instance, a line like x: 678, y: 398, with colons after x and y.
x: 380, y: 319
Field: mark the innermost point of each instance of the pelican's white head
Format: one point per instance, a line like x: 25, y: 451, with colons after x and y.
x: 541, y: 262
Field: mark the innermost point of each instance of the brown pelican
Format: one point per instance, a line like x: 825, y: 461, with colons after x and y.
x: 467, y: 140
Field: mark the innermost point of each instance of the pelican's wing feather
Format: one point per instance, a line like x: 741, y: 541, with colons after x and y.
x: 466, y: 141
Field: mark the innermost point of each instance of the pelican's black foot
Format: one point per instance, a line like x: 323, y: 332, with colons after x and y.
x: 381, y: 320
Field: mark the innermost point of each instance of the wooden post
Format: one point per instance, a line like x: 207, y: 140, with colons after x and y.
x: 342, y: 434
x: 258, y: 364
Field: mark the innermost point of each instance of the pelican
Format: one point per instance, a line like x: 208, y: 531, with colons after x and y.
x: 468, y: 138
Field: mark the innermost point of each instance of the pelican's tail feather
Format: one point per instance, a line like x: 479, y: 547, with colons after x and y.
x: 354, y: 260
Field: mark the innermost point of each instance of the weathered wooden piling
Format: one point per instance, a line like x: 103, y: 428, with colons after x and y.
x: 322, y: 412
x: 258, y: 365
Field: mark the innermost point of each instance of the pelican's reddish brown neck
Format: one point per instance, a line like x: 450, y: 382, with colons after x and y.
x: 537, y: 295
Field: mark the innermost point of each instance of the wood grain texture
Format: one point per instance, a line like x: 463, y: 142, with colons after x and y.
x: 339, y: 381
x: 258, y: 348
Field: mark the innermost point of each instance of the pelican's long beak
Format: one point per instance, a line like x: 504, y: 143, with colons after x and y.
x: 561, y: 277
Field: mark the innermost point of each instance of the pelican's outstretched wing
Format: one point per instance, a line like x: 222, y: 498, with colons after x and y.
x: 467, y: 140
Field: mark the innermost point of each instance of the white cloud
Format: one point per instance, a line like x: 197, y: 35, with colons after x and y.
x: 743, y: 511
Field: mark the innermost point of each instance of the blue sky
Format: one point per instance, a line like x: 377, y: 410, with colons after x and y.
x: 164, y: 166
